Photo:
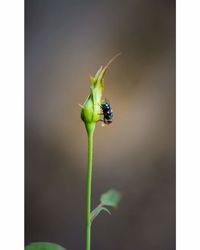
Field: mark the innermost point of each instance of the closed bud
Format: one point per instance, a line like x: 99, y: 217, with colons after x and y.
x: 91, y: 109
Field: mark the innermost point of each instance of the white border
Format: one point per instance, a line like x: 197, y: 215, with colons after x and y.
x: 188, y: 125
x: 12, y: 125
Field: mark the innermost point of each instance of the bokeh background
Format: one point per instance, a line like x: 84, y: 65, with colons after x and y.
x: 66, y: 41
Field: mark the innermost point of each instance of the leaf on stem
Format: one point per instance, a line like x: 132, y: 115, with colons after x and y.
x: 44, y: 246
x: 110, y: 198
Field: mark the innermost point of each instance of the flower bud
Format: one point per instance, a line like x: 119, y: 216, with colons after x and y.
x: 91, y: 109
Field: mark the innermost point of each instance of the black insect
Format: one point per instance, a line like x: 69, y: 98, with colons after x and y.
x: 107, y: 112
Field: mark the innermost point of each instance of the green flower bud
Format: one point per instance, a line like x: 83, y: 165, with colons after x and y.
x: 91, y: 109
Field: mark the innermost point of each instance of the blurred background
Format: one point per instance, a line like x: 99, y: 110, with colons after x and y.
x: 66, y: 41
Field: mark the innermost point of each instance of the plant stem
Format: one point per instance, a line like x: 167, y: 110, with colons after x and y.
x: 90, y: 132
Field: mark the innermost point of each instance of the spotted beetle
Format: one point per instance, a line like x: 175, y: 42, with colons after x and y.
x: 107, y: 112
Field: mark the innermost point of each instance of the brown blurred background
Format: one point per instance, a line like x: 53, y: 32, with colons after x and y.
x: 65, y: 42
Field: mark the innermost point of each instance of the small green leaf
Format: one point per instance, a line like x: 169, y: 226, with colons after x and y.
x: 110, y: 198
x: 97, y: 211
x: 43, y: 246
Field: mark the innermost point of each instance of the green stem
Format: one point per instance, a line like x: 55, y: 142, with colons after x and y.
x: 90, y: 131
